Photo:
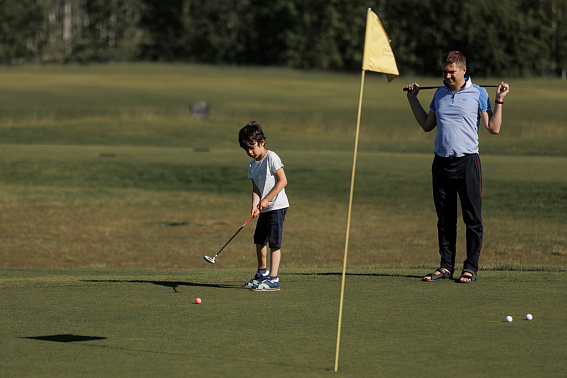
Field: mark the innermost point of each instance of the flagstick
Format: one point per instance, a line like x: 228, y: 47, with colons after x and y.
x: 341, y: 302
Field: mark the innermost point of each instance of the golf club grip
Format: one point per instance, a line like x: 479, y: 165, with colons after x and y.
x: 245, y: 223
x: 484, y: 86
x: 405, y: 89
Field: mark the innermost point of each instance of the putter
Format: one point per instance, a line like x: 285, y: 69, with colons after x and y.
x: 212, y: 259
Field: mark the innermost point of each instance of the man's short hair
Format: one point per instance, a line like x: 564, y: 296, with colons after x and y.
x: 456, y: 57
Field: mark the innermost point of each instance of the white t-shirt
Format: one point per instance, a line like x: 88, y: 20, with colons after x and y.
x: 263, y: 173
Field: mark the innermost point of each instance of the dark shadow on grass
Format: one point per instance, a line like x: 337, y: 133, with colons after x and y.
x: 172, y: 284
x: 65, y: 338
x: 353, y: 274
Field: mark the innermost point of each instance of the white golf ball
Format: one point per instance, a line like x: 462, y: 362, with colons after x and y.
x: 509, y: 319
x: 529, y: 317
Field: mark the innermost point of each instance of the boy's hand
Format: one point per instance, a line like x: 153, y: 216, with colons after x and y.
x: 263, y: 204
x: 255, y: 212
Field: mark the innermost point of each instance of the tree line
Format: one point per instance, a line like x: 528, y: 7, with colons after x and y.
x: 506, y: 37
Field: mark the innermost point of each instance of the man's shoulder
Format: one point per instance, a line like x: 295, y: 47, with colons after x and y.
x: 479, y: 89
x: 481, y: 96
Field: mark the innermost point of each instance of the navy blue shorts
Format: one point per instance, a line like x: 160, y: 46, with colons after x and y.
x: 269, y: 228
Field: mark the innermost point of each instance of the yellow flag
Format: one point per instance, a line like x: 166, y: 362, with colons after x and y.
x: 378, y: 55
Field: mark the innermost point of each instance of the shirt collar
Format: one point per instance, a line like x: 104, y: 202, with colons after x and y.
x: 467, y: 84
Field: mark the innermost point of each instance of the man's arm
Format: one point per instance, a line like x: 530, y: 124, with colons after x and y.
x: 493, y: 120
x: 427, y: 121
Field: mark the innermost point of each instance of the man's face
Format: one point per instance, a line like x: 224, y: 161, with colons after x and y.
x: 454, y: 75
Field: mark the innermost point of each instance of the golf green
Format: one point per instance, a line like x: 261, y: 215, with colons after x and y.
x: 146, y: 323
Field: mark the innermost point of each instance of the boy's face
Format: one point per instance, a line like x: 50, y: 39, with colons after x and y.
x: 256, y: 150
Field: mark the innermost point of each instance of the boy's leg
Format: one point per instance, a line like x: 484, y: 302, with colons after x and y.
x: 261, y: 240
x: 271, y: 283
x: 262, y: 273
x: 261, y: 253
x: 275, y: 240
x: 277, y: 218
x: 276, y: 256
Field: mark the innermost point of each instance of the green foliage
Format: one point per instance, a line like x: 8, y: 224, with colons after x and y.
x: 505, y: 38
x: 19, y: 23
x: 518, y: 42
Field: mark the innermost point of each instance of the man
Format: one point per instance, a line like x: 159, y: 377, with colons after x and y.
x: 456, y: 110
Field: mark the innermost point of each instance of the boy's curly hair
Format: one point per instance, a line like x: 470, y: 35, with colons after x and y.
x: 251, y: 133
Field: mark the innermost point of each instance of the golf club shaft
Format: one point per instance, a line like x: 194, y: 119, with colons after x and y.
x: 485, y: 86
x: 241, y: 227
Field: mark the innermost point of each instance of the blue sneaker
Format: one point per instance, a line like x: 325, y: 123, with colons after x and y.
x: 269, y: 284
x: 258, y: 278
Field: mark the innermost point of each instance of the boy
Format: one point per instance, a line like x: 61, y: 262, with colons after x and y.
x: 269, y: 202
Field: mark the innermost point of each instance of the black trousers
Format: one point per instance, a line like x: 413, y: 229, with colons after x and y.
x: 462, y: 176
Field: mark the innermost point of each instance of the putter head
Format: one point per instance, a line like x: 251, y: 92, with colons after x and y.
x: 209, y: 259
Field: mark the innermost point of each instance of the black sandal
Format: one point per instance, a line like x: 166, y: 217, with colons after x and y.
x: 443, y: 274
x: 472, y: 276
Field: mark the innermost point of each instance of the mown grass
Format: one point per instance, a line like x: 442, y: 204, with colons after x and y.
x: 150, y: 325
x: 84, y: 105
x: 96, y: 159
x: 69, y: 207
x: 103, y: 168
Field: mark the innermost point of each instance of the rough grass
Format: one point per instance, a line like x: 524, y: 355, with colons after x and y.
x: 68, y: 207
x: 96, y: 159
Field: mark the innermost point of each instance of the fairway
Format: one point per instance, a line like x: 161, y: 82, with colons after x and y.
x: 146, y: 323
x: 96, y: 158
x: 111, y: 193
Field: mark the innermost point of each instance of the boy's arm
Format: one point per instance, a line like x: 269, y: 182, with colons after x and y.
x: 282, y: 182
x: 255, y: 199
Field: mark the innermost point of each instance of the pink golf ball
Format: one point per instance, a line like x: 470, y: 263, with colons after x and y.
x: 198, y: 300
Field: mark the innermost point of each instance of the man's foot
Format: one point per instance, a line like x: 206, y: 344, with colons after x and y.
x: 258, y: 278
x: 467, y: 276
x: 439, y: 274
x: 269, y: 284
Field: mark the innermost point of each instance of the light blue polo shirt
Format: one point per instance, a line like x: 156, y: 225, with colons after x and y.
x: 458, y: 119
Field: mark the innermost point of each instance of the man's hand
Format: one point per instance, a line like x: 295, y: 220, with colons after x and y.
x: 413, y: 90
x: 502, y: 90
